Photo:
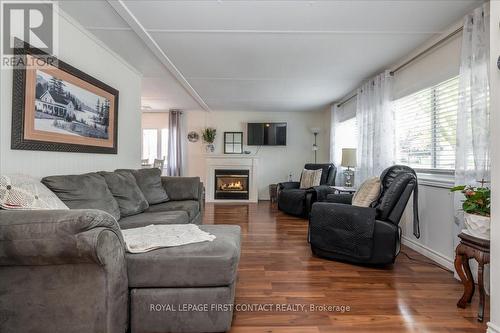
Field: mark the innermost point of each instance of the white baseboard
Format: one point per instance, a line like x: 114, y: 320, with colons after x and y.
x: 429, y: 253
x: 493, y: 328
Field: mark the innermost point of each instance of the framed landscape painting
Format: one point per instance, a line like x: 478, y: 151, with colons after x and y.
x: 57, y: 107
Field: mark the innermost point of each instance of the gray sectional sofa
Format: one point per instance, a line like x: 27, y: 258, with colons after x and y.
x: 67, y: 270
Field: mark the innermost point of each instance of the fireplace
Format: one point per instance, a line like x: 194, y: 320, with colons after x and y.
x: 231, y: 184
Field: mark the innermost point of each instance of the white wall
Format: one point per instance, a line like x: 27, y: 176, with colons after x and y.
x: 436, y: 213
x: 154, y: 120
x: 494, y: 325
x: 80, y: 49
x: 276, y: 163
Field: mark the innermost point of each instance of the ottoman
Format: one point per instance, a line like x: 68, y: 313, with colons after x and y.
x: 188, y: 288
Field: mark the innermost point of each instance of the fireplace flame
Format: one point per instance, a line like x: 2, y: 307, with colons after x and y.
x: 232, y: 186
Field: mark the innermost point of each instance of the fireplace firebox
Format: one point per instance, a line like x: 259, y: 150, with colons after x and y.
x: 231, y: 184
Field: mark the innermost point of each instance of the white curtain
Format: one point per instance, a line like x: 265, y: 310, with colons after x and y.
x: 376, y: 131
x: 473, y: 123
x: 472, y: 162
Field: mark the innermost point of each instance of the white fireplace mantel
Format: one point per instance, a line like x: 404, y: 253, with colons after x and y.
x: 231, y: 162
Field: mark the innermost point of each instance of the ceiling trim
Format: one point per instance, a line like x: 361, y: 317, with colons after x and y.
x: 312, y: 32
x: 139, y: 29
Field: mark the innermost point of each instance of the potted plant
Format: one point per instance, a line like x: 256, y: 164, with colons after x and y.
x: 476, y: 207
x: 208, y: 135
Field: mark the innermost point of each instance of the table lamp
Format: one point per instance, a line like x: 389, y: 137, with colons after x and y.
x: 348, y: 161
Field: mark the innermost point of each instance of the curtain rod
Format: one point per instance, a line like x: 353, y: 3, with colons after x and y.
x: 438, y: 43
x: 406, y: 63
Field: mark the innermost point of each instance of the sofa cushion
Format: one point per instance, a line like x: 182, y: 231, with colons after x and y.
x: 149, y: 181
x: 87, y: 191
x: 145, y: 219
x: 192, y: 207
x: 124, y: 189
x: 25, y: 192
x: 206, y: 264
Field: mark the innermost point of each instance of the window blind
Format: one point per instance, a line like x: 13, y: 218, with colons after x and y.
x: 426, y: 127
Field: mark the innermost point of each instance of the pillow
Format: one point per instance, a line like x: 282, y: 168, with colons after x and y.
x: 124, y: 189
x: 310, y: 178
x: 368, y: 192
x: 25, y: 192
x: 87, y: 191
x: 149, y: 181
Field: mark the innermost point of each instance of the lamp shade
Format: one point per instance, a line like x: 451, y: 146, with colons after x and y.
x: 348, y: 157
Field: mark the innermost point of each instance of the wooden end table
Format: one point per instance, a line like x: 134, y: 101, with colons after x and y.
x: 479, y: 249
x: 273, y: 193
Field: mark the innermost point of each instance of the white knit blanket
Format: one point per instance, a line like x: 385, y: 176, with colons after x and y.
x: 144, y: 239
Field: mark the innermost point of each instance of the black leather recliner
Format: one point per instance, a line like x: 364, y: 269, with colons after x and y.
x: 365, y: 235
x: 296, y: 201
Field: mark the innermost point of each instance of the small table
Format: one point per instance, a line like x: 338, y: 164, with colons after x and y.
x: 479, y: 249
x: 273, y: 193
x: 343, y: 189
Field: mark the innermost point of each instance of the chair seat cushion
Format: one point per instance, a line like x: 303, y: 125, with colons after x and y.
x: 192, y: 207
x: 145, y: 219
x: 206, y: 264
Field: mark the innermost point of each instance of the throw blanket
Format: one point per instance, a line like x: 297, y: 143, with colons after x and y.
x: 152, y: 237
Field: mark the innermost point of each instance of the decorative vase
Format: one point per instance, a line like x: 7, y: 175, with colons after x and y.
x: 477, y: 225
x: 210, y: 148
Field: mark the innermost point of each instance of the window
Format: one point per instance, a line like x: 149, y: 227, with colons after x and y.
x: 346, y: 136
x: 154, y: 144
x: 150, y: 144
x: 426, y: 126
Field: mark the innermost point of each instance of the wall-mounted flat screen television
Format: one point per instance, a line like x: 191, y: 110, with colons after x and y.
x: 266, y: 134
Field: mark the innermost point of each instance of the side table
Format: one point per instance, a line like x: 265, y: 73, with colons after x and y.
x: 479, y: 249
x: 273, y: 193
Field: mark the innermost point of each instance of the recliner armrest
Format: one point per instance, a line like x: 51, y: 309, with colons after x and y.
x: 328, y: 211
x: 341, y: 198
x: 288, y: 186
x: 52, y: 237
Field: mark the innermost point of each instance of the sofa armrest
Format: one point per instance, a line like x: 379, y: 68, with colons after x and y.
x: 54, y: 237
x: 288, y: 186
x: 183, y: 188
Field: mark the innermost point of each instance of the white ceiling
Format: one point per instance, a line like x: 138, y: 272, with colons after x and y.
x: 261, y: 55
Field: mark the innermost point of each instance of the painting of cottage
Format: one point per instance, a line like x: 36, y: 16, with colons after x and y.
x: 64, y: 108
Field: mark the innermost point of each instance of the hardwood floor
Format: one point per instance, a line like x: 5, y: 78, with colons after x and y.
x: 277, y: 267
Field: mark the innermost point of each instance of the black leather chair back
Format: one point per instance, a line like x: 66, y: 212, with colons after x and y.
x: 398, y: 183
x: 329, y: 172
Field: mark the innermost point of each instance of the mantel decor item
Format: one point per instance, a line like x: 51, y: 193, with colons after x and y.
x: 56, y: 107
x: 193, y: 136
x: 348, y: 161
x: 233, y: 142
x: 476, y: 207
x: 208, y: 135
